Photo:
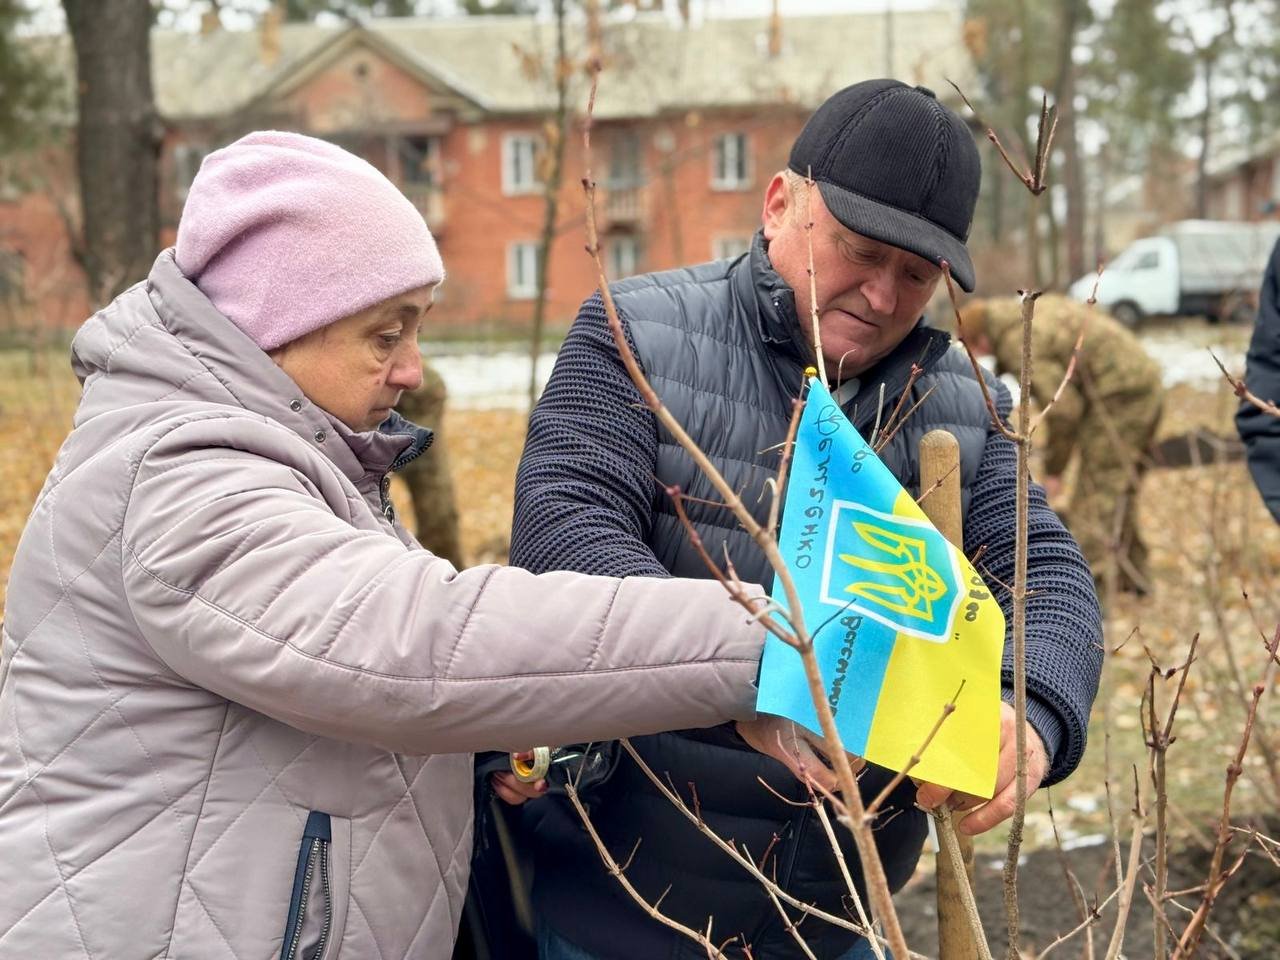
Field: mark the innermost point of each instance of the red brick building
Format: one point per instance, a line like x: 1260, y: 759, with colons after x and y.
x: 691, y: 122
x: 1245, y: 180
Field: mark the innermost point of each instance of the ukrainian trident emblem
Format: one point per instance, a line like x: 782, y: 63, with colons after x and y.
x: 897, y: 570
x: 914, y: 584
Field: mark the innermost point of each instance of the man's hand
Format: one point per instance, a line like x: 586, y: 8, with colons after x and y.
x: 794, y: 747
x: 515, y: 791
x: 999, y: 808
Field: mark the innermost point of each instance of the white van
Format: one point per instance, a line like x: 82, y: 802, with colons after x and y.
x: 1206, y: 267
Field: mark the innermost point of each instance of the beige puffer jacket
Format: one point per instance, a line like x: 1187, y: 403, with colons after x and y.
x: 229, y: 687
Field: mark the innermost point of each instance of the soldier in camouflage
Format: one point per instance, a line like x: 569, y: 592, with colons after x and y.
x: 1108, y: 412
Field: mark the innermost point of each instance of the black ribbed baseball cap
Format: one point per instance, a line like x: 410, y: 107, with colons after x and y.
x: 894, y: 164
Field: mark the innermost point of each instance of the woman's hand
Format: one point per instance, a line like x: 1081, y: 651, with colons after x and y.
x: 513, y: 790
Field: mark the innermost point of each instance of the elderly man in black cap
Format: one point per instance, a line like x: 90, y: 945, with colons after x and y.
x: 726, y: 345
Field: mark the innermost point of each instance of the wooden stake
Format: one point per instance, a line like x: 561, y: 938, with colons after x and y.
x: 940, y: 477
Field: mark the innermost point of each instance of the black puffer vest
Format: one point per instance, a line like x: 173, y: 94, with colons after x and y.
x: 721, y: 344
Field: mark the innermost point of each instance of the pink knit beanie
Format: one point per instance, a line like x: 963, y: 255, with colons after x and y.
x: 286, y: 234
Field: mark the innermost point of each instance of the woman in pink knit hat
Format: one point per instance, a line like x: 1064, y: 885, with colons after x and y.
x: 237, y: 701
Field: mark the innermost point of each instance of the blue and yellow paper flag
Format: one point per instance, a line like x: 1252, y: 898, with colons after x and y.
x: 899, y: 616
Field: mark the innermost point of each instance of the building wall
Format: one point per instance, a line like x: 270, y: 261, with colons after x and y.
x: 42, y: 287
x: 672, y: 216
x: 1242, y: 193
x: 670, y: 213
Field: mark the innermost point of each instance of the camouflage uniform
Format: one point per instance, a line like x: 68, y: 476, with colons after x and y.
x: 1109, y: 412
x: 434, y: 507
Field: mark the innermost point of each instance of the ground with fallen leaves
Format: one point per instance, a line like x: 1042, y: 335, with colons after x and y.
x: 1216, y: 562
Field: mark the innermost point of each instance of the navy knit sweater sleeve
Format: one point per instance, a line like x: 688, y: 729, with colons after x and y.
x: 585, y: 488
x: 1064, y: 623
x: 585, y: 495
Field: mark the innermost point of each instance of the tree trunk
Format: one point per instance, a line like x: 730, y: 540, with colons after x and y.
x: 1054, y: 276
x: 1206, y: 127
x: 1028, y: 147
x: 117, y: 142
x: 994, y: 190
x: 551, y: 199
x: 1034, y: 256
x: 1103, y: 183
x: 1072, y: 181
x: 435, y: 508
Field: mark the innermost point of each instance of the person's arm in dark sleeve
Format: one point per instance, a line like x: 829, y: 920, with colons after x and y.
x: 585, y: 488
x: 1260, y: 430
x: 1064, y: 622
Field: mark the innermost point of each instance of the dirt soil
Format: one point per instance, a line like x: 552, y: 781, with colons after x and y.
x: 1244, y: 924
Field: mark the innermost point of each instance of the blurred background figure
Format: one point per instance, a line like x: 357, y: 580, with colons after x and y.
x: 1259, y: 429
x: 1108, y: 412
x: 435, y: 509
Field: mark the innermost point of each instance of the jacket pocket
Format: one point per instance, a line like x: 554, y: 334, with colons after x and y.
x: 310, y: 921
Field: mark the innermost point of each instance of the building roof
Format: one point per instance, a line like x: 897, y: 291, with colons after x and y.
x: 651, y: 64
x: 1230, y: 158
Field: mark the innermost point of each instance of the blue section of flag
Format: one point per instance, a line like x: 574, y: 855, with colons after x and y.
x: 899, y: 617
x: 858, y: 649
x: 853, y: 640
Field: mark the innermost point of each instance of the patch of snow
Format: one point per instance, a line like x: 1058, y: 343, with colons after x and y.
x: 1184, y: 356
x: 1086, y: 840
x: 487, y: 381
x: 1082, y: 803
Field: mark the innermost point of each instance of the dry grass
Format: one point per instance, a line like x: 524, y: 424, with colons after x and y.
x: 484, y: 448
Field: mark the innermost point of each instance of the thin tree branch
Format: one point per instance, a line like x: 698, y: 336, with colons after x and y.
x: 1130, y: 878
x: 757, y: 871
x: 1244, y: 393
x: 1020, y: 630
x: 819, y: 359
x: 973, y: 359
x: 872, y: 868
x: 1216, y: 880
x: 788, y: 446
x: 821, y: 810
x: 948, y: 708
x: 618, y: 874
x: 950, y: 844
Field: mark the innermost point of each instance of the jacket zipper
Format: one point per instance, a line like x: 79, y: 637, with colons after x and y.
x: 314, y: 853
x: 384, y: 498
x: 292, y: 947
x: 796, y: 839
x: 328, y: 902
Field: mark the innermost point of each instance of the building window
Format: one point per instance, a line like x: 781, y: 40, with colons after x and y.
x: 187, y: 158
x: 625, y: 167
x: 419, y: 170
x: 728, y: 247
x: 729, y: 162
x: 624, y: 250
x: 519, y: 163
x: 522, y: 271
x: 419, y: 160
